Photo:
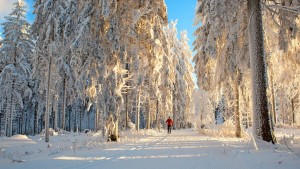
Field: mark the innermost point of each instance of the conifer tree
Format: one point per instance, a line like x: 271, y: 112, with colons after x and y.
x: 15, y: 69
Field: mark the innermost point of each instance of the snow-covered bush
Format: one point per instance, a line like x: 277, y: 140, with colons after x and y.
x: 227, y: 129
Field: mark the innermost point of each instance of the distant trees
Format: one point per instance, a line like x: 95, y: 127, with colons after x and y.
x: 179, y: 77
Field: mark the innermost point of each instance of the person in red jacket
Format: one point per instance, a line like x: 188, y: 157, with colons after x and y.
x: 170, y: 124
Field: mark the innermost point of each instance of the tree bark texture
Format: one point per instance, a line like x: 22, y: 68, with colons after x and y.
x: 261, y: 119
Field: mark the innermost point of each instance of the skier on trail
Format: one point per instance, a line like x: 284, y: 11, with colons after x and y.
x: 170, y: 124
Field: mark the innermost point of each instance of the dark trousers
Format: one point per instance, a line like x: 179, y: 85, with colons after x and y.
x: 169, y: 128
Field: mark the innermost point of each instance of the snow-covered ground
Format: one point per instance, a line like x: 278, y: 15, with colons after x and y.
x: 183, y: 149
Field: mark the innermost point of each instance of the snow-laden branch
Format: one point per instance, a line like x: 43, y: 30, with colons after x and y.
x: 294, y: 9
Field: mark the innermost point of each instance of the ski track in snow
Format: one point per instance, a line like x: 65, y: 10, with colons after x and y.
x: 117, y: 156
x: 183, y: 149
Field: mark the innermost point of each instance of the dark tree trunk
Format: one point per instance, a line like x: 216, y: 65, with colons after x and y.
x: 236, y: 107
x: 157, y: 116
x: 126, y: 109
x: 36, y: 119
x: 63, y: 113
x: 261, y: 119
x: 148, y: 116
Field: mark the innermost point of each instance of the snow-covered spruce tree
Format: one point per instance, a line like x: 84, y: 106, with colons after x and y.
x: 15, y: 69
x: 66, y: 22
x: 157, y: 20
x: 152, y: 21
x: 222, y: 38
x: 187, y: 69
x: 169, y: 71
x: 282, y: 38
x: 84, y: 31
x: 141, y: 40
x: 212, y: 49
x: 283, y: 68
x: 286, y: 12
x: 97, y: 61
x: 178, y: 70
x: 47, y: 29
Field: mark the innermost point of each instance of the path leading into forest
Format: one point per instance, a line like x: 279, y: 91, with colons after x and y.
x: 183, y: 149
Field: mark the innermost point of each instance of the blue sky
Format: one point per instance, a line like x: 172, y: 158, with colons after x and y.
x: 184, y: 11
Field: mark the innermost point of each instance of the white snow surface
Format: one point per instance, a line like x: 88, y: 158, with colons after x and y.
x: 183, y: 149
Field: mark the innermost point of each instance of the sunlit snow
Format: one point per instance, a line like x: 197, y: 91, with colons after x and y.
x: 149, y: 149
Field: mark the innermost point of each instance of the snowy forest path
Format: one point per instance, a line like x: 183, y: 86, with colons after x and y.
x: 183, y: 149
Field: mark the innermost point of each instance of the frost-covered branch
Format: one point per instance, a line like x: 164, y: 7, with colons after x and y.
x: 293, y: 9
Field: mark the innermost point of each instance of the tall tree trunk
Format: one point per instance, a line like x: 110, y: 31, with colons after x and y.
x: 63, y: 113
x: 88, y: 116
x: 10, y: 115
x: 261, y: 119
x: 96, y: 117
x: 174, y: 112
x: 272, y: 97
x: 148, y: 118
x: 126, y: 108
x: 10, y: 112
x: 117, y: 128
x: 126, y: 98
x: 137, y: 117
x: 103, y: 119
x: 68, y: 119
x: 236, y: 107
x: 157, y: 116
x: 22, y: 127
x: 36, y: 119
x: 47, y: 134
x: 282, y: 107
x: 80, y: 118
x: 56, y: 115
